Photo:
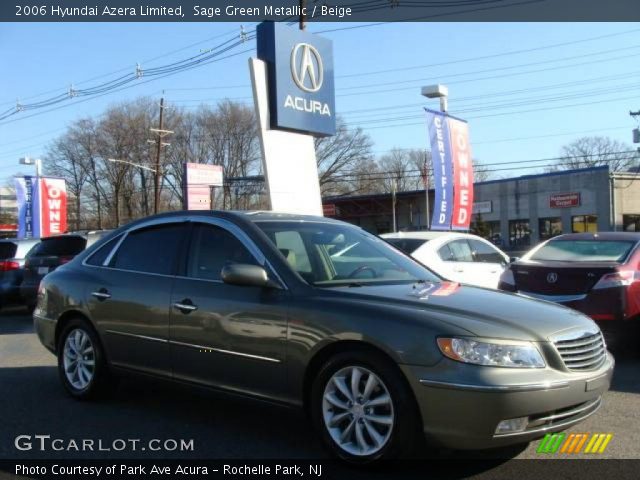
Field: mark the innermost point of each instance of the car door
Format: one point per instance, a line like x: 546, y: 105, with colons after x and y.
x: 222, y: 335
x: 489, y: 263
x: 128, y: 295
x: 457, y: 261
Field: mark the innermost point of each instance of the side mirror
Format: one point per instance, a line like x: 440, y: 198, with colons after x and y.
x: 513, y: 259
x: 247, y: 275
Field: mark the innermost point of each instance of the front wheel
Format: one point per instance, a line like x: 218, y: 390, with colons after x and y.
x: 363, y: 408
x: 81, y: 362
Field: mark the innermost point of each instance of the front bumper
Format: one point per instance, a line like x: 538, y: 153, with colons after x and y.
x: 461, y: 404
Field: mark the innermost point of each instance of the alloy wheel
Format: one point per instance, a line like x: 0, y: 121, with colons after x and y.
x: 358, y: 411
x: 79, y: 359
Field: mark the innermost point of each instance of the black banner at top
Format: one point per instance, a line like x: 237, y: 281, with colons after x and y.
x: 319, y: 10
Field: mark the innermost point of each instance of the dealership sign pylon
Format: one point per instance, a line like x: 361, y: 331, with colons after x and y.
x: 293, y: 92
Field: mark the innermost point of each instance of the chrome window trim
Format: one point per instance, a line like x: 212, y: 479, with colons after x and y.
x: 527, y: 387
x: 108, y: 257
x: 228, y: 226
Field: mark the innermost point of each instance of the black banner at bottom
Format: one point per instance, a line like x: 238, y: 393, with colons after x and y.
x: 318, y: 469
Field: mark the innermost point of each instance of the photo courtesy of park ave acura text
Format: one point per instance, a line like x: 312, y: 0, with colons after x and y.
x: 344, y: 239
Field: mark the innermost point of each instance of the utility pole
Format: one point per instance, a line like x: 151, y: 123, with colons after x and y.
x: 426, y: 190
x: 161, y: 134
x: 303, y: 4
x: 393, y: 204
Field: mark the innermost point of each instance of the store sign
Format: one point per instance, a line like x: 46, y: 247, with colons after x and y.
x: 564, y: 200
x: 300, y: 72
x: 198, y: 180
x: 42, y: 206
x: 483, y: 207
x: 452, y: 171
x: 329, y: 210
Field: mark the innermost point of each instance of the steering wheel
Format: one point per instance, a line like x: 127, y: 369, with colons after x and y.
x: 363, y: 268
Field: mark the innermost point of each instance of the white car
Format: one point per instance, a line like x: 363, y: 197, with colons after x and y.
x: 459, y: 257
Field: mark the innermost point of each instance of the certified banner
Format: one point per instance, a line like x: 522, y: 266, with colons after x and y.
x: 442, y: 170
x: 24, y: 199
x: 53, y: 206
x: 462, y: 174
x: 452, y: 171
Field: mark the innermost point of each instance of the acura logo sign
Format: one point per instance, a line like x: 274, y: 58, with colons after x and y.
x: 306, y: 67
x: 552, y: 277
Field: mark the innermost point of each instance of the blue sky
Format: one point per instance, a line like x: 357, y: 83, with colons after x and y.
x: 519, y: 105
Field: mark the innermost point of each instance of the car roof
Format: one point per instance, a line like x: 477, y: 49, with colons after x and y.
x: 622, y: 236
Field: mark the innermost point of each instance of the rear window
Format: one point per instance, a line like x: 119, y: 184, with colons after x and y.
x: 584, y: 251
x: 7, y: 250
x: 59, y: 247
x: 406, y: 245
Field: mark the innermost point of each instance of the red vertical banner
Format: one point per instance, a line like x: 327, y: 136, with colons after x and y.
x: 462, y: 174
x: 53, y: 206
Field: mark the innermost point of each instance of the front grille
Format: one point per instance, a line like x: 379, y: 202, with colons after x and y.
x: 584, y: 352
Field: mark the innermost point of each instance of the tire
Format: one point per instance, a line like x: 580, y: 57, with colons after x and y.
x: 396, y: 423
x: 92, y: 379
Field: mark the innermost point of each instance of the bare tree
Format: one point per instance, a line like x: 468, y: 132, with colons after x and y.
x: 340, y: 156
x: 596, y: 151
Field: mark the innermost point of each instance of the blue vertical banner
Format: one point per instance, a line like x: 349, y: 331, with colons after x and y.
x: 442, y: 169
x: 28, y: 216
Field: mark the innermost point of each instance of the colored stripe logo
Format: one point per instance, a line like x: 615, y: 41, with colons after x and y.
x: 573, y: 443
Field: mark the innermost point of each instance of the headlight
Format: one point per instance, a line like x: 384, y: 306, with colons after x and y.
x: 522, y: 355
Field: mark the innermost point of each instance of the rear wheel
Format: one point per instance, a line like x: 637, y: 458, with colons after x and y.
x: 81, y: 362
x: 363, y: 409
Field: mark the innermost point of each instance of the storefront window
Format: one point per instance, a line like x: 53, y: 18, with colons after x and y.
x: 584, y: 224
x: 631, y: 223
x: 519, y: 233
x: 549, y: 227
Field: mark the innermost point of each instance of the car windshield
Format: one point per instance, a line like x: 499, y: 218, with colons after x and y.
x: 328, y: 255
x: 406, y: 245
x: 584, y: 251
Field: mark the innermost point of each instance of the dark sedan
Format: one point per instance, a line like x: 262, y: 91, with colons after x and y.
x: 48, y: 255
x: 12, y: 258
x: 375, y: 346
x: 595, y: 273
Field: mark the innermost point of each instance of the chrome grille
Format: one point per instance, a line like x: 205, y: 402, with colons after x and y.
x: 584, y: 352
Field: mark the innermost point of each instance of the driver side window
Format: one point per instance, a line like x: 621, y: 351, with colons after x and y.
x: 211, y: 249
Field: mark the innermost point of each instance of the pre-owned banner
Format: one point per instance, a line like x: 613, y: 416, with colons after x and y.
x: 462, y: 174
x: 53, y: 206
x: 42, y: 206
x: 452, y: 171
x: 442, y: 170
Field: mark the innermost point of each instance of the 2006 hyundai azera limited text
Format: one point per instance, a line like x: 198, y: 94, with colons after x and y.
x: 320, y: 314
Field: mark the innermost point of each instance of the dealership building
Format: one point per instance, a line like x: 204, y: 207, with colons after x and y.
x: 515, y: 213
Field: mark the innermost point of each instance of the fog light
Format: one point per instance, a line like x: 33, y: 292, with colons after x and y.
x: 513, y: 425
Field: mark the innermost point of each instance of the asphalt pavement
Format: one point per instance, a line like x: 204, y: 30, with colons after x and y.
x: 33, y: 402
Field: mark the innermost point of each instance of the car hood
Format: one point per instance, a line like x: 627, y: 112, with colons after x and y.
x: 481, y: 312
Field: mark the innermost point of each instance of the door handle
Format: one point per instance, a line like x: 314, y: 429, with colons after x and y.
x: 101, y: 294
x: 458, y: 270
x: 186, y: 306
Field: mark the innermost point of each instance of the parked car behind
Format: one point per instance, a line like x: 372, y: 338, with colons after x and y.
x: 595, y: 273
x: 460, y: 257
x: 48, y: 255
x: 375, y: 346
x: 12, y: 258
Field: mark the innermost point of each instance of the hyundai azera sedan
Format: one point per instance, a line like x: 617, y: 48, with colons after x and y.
x: 377, y: 348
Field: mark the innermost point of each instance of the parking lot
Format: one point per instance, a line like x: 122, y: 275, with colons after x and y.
x: 33, y: 403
